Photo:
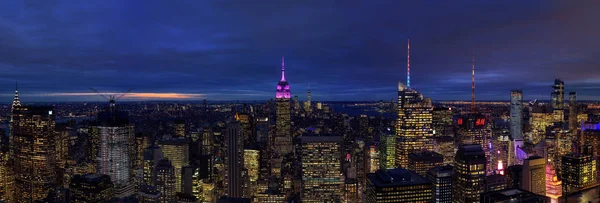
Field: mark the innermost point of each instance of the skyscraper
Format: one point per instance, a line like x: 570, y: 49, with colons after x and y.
x: 516, y: 115
x: 235, y: 160
x: 164, y: 179
x: 578, y: 170
x: 442, y: 119
x: 397, y: 185
x: 116, y: 148
x: 388, y: 148
x: 469, y: 176
x: 414, y: 124
x: 32, y: 152
x: 534, y: 175
x: 177, y: 151
x: 441, y: 180
x: 16, y: 100
x: 283, y: 137
x: 573, y: 113
x: 321, y: 175
x: 558, y: 96
x: 516, y: 125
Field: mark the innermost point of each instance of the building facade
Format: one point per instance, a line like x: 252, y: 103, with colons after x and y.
x: 322, y: 180
x: 469, y: 176
x: 413, y: 125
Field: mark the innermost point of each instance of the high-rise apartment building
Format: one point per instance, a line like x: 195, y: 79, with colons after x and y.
x: 534, y: 175
x: 516, y: 114
x: 558, y: 96
x: 414, y: 124
x: 32, y: 152
x: 469, y: 176
x: 321, y: 176
x: 441, y: 181
x: 397, y: 185
x: 177, y: 151
x: 573, y: 112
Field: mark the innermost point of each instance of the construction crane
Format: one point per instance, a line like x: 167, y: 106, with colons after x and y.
x: 111, y: 98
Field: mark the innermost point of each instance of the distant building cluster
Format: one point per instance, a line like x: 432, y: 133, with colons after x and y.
x: 286, y: 150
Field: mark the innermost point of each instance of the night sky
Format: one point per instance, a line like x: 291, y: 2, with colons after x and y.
x: 345, y: 50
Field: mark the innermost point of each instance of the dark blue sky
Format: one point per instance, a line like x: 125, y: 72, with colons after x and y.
x: 345, y: 50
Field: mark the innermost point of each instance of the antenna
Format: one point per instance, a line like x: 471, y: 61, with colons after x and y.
x: 408, y: 66
x: 473, y: 84
x: 111, y: 98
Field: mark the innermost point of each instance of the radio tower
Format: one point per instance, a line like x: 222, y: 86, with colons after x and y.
x: 408, y: 66
x: 473, y: 84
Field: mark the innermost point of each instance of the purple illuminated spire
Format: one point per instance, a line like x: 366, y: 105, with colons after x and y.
x: 282, y: 68
x: 283, y: 88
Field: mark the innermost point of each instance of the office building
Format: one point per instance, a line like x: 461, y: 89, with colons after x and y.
x: 152, y: 155
x: 164, y: 180
x: 91, y: 188
x: 179, y: 127
x: 441, y: 181
x: 283, y: 137
x: 414, y: 124
x: 32, y: 152
x: 421, y: 161
x: 512, y: 195
x: 321, y: 176
x: 148, y: 194
x: 442, y: 121
x: 251, y: 168
x: 387, y: 150
x: 514, y: 176
x: 579, y: 170
x: 177, y: 151
x: 397, y: 185
x: 185, y: 198
x: 116, y: 148
x: 469, y: 173
x: 495, y: 182
x: 534, y: 175
x: 235, y: 160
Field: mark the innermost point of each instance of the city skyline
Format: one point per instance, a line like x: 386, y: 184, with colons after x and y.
x: 218, y: 51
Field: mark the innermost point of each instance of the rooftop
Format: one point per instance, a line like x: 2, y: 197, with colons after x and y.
x: 396, y: 177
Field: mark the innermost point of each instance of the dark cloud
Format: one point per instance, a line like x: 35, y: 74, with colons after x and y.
x: 346, y: 50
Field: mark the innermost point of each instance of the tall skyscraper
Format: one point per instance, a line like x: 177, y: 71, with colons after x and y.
x: 441, y: 180
x: 32, y: 152
x: 558, y: 96
x: 388, y: 148
x: 516, y: 115
x: 235, y: 160
x: 321, y: 175
x: 116, y: 155
x: 414, y: 124
x: 91, y: 188
x: 177, y: 151
x: 308, y: 105
x: 283, y: 137
x: 573, y: 112
x: 442, y: 121
x: 397, y: 185
x: 469, y: 176
x: 534, y: 175
x: 179, y: 126
x: 152, y: 156
x: 16, y: 100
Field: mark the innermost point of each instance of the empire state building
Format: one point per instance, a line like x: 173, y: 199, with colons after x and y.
x: 283, y: 138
